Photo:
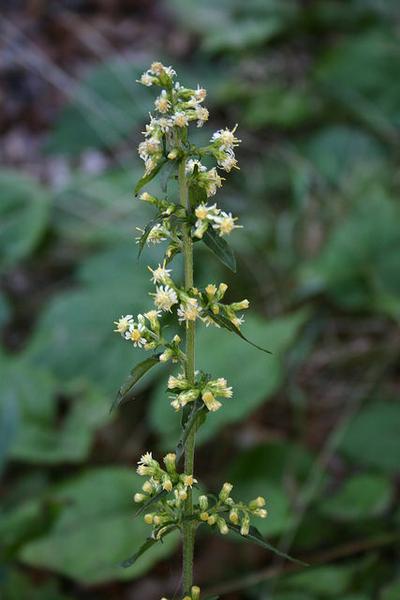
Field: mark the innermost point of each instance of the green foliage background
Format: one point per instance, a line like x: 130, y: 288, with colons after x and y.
x: 316, y: 426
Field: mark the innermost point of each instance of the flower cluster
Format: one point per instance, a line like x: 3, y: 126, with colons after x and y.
x: 183, y: 392
x: 211, y: 302
x: 144, y: 332
x: 167, y: 510
x: 224, y: 510
x: 221, y: 221
x: 169, y: 489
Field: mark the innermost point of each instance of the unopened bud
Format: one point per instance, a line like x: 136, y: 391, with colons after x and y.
x: 170, y: 462
x: 211, y: 520
x: 147, y: 487
x: 234, y: 516
x: 222, y: 526
x: 244, y: 530
x: 204, y: 516
x: 148, y: 519
x: 139, y: 498
x: 195, y: 592
x: 225, y: 491
x: 257, y: 503
x: 203, y: 502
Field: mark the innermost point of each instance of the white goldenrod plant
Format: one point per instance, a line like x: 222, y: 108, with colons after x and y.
x: 166, y: 496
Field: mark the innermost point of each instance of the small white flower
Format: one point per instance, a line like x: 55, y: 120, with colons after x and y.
x: 228, y: 163
x: 146, y: 459
x: 225, y: 138
x: 180, y: 119
x: 200, y: 93
x: 160, y: 274
x: 123, y: 324
x: 225, y: 223
x: 135, y: 334
x: 203, y: 211
x: 146, y: 79
x: 165, y: 297
x: 202, y: 115
x: 157, y: 234
x: 162, y: 103
x: 210, y: 401
x: 189, y: 310
x: 190, y: 165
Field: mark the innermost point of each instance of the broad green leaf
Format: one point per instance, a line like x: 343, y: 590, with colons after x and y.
x: 329, y: 581
x: 391, y: 591
x: 229, y: 326
x: 16, y: 585
x: 149, y: 543
x: 281, y: 106
x: 373, y: 437
x: 40, y: 436
x: 112, y: 284
x: 253, y: 375
x: 105, y: 107
x: 91, y: 538
x: 221, y: 248
x: 147, y: 178
x: 260, y: 471
x: 24, y: 214
x: 255, y: 537
x: 360, y: 264
x: 125, y: 391
x: 361, y: 497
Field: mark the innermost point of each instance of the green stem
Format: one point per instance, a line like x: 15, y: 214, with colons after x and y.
x: 188, y: 529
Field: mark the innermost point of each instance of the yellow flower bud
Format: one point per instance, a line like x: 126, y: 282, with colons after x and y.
x: 148, y: 519
x: 139, y: 498
x: 234, y: 516
x: 204, y: 516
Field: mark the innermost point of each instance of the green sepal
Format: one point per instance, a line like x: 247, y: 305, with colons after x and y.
x: 220, y: 248
x: 125, y: 392
x: 147, y: 178
x: 255, y: 537
x: 227, y: 324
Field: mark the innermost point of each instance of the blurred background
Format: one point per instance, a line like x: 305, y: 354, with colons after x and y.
x: 315, y: 427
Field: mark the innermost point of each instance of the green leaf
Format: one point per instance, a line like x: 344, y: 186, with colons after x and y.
x: 82, y: 319
x: 361, y: 497
x: 391, y: 591
x: 253, y: 378
x: 196, y: 418
x: 373, y: 437
x: 146, y: 232
x: 149, y: 543
x: 16, y: 585
x: 327, y: 581
x: 24, y: 215
x: 125, y: 392
x: 255, y: 537
x: 95, y: 530
x: 260, y: 471
x: 227, y: 324
x: 40, y: 435
x: 147, y: 178
x: 221, y: 248
x: 106, y: 105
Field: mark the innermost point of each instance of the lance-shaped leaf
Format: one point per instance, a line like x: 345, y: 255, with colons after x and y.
x: 227, y: 324
x: 147, y: 229
x: 151, y: 501
x: 221, y: 248
x: 255, y: 537
x: 125, y: 392
x: 149, y: 543
x: 147, y: 178
x: 195, y: 419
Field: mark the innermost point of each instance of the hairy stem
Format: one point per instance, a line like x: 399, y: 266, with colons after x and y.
x: 188, y: 529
